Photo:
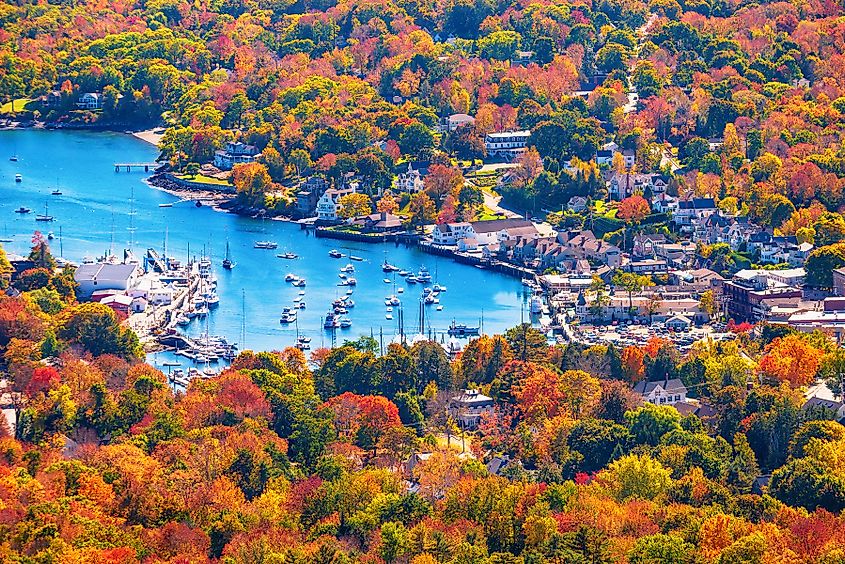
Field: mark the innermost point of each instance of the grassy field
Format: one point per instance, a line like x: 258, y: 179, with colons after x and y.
x: 20, y: 105
x: 201, y: 178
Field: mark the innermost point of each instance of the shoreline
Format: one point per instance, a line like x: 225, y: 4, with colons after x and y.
x: 152, y: 136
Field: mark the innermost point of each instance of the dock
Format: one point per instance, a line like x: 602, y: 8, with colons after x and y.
x: 130, y: 166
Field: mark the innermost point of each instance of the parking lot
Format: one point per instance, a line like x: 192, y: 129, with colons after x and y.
x: 625, y: 333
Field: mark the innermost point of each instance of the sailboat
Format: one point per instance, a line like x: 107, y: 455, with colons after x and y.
x: 227, y: 262
x: 44, y: 216
x: 265, y: 244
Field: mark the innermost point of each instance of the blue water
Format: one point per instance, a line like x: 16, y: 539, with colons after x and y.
x: 95, y: 207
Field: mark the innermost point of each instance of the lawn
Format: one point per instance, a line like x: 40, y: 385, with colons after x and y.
x: 203, y: 179
x: 20, y: 105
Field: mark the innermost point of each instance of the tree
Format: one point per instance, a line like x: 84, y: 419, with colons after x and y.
x: 40, y: 252
x: 95, y: 328
x: 822, y: 262
x: 708, y: 304
x: 596, y: 440
x: 633, y: 208
x: 527, y: 343
x: 416, y: 140
x: 301, y: 161
x: 636, y: 477
x: 354, y: 205
x: 631, y: 282
x: 252, y: 182
x: 791, y: 359
x: 442, y: 180
x: 649, y: 423
x: 633, y: 366
x: 422, y: 209
x: 387, y: 204
x: 663, y: 549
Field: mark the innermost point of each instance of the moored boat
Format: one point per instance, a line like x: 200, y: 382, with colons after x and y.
x: 265, y: 245
x: 334, y: 253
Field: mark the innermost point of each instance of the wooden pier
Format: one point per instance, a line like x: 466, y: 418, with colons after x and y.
x: 130, y: 166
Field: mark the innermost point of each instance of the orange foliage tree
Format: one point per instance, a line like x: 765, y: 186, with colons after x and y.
x: 791, y: 359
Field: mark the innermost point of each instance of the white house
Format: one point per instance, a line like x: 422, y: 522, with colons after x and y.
x: 507, y: 144
x: 90, y: 101
x: 577, y: 204
x: 469, y: 407
x: 664, y: 392
x: 411, y: 180
x: 454, y: 121
x: 153, y: 291
x: 451, y: 233
x: 696, y: 208
x: 328, y: 205
x: 103, y: 276
x: 235, y: 153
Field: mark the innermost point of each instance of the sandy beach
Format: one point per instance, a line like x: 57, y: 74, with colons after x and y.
x: 151, y: 136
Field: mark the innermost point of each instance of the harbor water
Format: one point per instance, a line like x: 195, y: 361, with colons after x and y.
x: 100, y: 209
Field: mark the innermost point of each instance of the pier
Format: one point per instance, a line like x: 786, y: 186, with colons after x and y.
x: 130, y: 166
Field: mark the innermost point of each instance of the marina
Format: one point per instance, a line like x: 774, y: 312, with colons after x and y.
x: 93, y: 215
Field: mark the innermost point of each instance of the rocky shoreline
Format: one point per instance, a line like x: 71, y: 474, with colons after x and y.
x: 216, y: 199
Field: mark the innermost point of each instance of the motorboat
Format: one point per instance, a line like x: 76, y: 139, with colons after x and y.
x: 290, y: 277
x: 300, y: 305
x: 349, y: 292
x: 351, y: 282
x: 265, y: 245
x: 403, y: 273
x: 388, y: 316
x: 348, y: 268
x: 430, y: 300
x: 456, y: 330
x: 345, y: 323
x: 391, y: 301
x: 389, y: 309
x: 299, y: 282
x: 386, y: 280
x: 289, y: 256
x: 341, y: 275
x: 330, y: 322
x: 288, y: 315
x: 438, y: 288
x: 340, y: 310
x: 387, y: 267
x: 439, y: 308
x: 18, y: 178
x: 166, y: 205
x: 13, y: 158
x: 301, y: 292
x: 211, y: 299
x: 400, y: 290
x: 182, y: 320
x: 353, y: 257
x: 50, y: 236
x: 56, y: 192
x: 411, y: 279
x: 423, y: 276
x: 22, y: 210
x: 334, y: 253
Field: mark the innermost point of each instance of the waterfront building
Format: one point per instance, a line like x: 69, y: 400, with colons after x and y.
x: 90, y: 101
x: 235, y: 153
x: 308, y: 195
x: 507, y: 144
x: 328, y: 206
x: 105, y: 276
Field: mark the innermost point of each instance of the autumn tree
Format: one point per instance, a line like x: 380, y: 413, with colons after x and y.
x: 442, y: 180
x: 252, y: 183
x: 354, y: 205
x: 791, y: 359
x: 633, y: 208
x: 422, y: 209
